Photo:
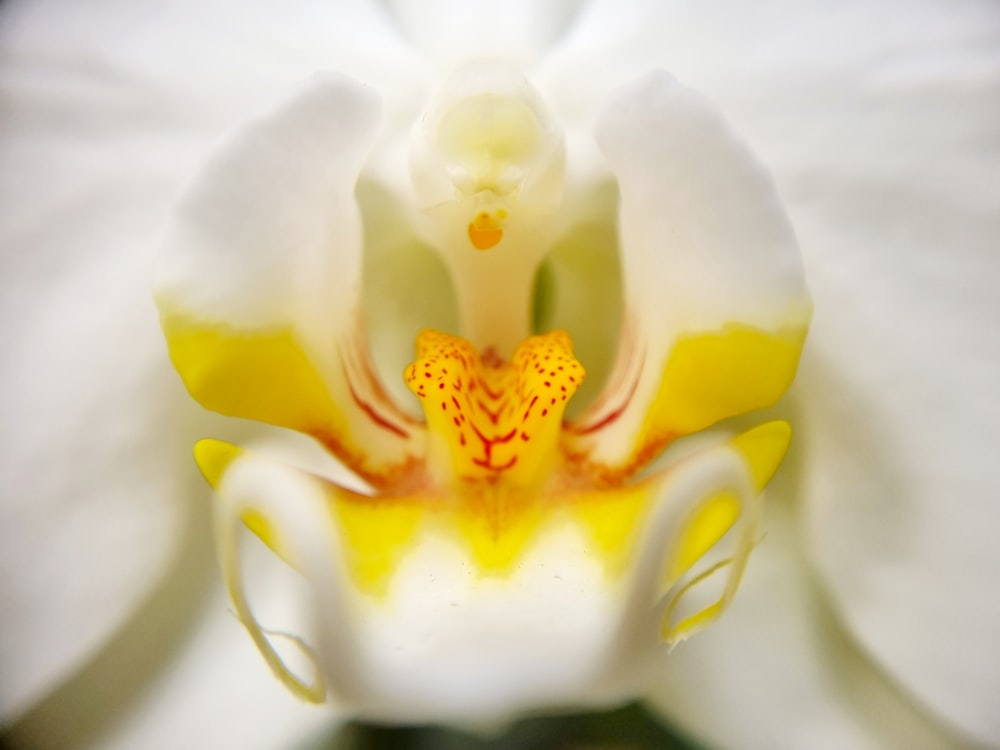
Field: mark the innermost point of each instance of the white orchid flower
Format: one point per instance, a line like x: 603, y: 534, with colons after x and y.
x: 903, y: 570
x: 507, y: 560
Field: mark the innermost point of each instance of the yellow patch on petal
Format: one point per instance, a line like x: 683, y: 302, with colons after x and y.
x: 214, y: 458
x: 265, y: 375
x: 494, y: 422
x: 763, y: 448
x: 673, y: 633
x: 376, y: 534
x: 276, y: 384
x: 611, y: 518
x: 712, y: 376
x: 497, y: 524
x: 707, y: 525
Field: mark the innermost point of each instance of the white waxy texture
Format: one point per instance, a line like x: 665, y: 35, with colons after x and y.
x: 778, y: 646
x: 449, y: 643
x: 268, y: 243
x: 109, y: 110
x: 879, y: 122
x: 452, y: 32
x: 704, y: 239
x: 270, y: 235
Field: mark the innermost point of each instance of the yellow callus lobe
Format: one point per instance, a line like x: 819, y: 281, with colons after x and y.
x: 495, y: 422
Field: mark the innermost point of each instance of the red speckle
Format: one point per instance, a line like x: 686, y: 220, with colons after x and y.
x: 545, y: 412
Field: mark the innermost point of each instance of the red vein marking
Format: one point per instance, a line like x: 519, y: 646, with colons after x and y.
x: 494, y: 416
x: 493, y: 395
x: 491, y: 467
x: 373, y: 415
x: 611, y: 417
x: 527, y: 413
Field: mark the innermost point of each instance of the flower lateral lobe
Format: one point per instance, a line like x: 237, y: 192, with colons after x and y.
x: 497, y: 422
x: 717, y: 309
x: 402, y: 611
x: 257, y: 285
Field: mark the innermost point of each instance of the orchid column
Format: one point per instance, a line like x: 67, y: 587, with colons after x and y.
x: 487, y: 164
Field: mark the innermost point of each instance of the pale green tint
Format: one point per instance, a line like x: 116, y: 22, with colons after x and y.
x: 579, y: 289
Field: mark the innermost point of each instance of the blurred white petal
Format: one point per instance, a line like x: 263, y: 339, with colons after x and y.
x: 108, y: 110
x: 707, y: 254
x: 259, y: 278
x: 776, y: 673
x: 181, y: 674
x: 901, y: 487
x: 450, y: 32
x: 880, y: 122
x: 90, y: 487
x: 882, y: 125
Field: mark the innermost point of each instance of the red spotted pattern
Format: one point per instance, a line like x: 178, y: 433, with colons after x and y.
x: 489, y: 411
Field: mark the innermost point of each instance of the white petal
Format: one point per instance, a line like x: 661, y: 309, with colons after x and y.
x: 183, y: 674
x: 608, y: 44
x: 108, y: 111
x: 271, y: 218
x: 880, y: 123
x: 452, y: 31
x: 259, y: 279
x: 217, y: 60
x: 88, y: 523
x: 901, y: 382
x: 700, y: 220
x: 705, y: 246
x: 95, y: 426
x: 775, y: 673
